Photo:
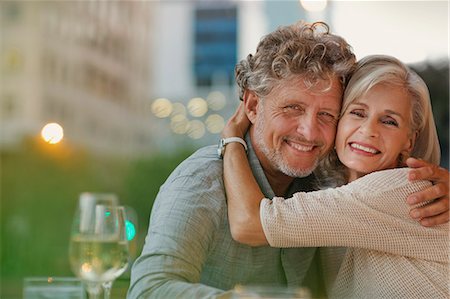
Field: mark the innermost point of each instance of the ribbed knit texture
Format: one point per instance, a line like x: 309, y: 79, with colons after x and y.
x: 391, y: 255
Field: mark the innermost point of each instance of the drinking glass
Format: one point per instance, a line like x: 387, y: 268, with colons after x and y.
x: 107, y: 285
x: 98, y: 248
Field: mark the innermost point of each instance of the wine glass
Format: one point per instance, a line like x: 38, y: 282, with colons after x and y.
x: 107, y: 285
x: 98, y: 249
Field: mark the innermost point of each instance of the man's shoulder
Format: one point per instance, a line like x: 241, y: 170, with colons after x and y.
x: 197, y: 181
x: 203, y: 160
x: 203, y: 165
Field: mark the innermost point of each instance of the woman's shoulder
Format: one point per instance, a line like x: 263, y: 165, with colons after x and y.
x: 385, y: 180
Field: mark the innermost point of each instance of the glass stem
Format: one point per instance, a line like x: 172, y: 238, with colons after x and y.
x: 93, y: 290
x: 107, y: 289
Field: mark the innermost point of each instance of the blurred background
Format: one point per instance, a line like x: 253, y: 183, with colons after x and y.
x: 109, y: 96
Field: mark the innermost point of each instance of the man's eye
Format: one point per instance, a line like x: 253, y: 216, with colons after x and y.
x: 292, y: 108
x: 328, y: 116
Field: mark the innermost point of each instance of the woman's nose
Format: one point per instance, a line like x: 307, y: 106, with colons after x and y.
x: 369, y: 128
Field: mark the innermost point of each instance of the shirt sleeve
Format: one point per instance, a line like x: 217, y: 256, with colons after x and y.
x: 181, y: 229
x: 368, y: 213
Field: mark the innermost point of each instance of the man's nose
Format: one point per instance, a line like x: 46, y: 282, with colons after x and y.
x: 308, y: 126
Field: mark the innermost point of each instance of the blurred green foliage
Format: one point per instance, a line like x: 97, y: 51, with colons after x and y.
x: 40, y: 185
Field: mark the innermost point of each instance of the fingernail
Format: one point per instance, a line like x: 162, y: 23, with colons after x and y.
x: 411, y: 200
x: 415, y: 214
x: 425, y: 222
x: 412, y: 176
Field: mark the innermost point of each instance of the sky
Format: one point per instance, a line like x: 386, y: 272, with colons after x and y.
x: 409, y: 30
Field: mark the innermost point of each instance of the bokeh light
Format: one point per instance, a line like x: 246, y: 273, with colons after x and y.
x: 215, y: 123
x: 197, y: 107
x: 216, y: 100
x: 196, y: 129
x: 130, y: 230
x: 161, y: 107
x: 52, y: 133
x: 179, y: 124
x: 178, y: 109
x: 314, y: 5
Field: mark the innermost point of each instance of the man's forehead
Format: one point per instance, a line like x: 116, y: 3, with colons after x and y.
x: 317, y: 86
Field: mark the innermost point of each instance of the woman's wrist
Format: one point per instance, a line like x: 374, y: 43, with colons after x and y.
x: 232, y: 132
x: 228, y: 142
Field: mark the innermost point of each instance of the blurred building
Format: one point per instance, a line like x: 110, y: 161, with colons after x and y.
x: 127, y: 77
x: 82, y: 64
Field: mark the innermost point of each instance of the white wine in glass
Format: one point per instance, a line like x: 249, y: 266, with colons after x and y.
x: 107, y: 285
x: 97, y: 248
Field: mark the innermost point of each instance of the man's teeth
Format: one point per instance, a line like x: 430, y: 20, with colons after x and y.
x: 303, y: 148
x: 363, y: 148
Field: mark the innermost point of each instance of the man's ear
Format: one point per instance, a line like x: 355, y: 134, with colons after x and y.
x: 251, y: 101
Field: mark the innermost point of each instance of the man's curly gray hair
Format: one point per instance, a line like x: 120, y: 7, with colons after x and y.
x: 303, y: 49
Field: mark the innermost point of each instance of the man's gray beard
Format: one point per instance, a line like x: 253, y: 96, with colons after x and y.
x: 275, y: 158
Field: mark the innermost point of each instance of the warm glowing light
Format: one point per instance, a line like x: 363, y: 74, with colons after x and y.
x: 162, y: 107
x: 314, y: 5
x: 52, y: 133
x: 179, y: 124
x: 197, y: 107
x: 216, y: 100
x: 86, y: 268
x: 196, y: 129
x: 178, y: 108
x: 215, y: 123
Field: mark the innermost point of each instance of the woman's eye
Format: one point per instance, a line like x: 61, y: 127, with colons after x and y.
x: 390, y: 122
x: 359, y: 113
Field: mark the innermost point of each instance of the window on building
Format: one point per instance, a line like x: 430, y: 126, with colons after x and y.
x: 215, y: 42
x: 8, y: 106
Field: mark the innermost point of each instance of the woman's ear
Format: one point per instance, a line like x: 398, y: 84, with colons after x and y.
x: 411, y: 142
x: 406, y: 152
x: 251, y: 101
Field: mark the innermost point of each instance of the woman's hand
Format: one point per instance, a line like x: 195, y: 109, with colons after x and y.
x: 238, y: 123
x: 437, y: 211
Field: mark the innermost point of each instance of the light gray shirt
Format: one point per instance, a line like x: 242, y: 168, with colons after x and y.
x: 189, y: 251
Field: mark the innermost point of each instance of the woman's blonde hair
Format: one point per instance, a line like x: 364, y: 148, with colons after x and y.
x: 382, y: 69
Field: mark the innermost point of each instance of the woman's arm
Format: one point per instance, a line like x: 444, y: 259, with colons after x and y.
x: 243, y: 197
x: 369, y: 213
x: 243, y: 193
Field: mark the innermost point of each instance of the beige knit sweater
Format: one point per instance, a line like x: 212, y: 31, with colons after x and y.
x: 390, y: 255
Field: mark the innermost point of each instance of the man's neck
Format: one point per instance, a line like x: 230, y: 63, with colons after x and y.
x: 279, y: 181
